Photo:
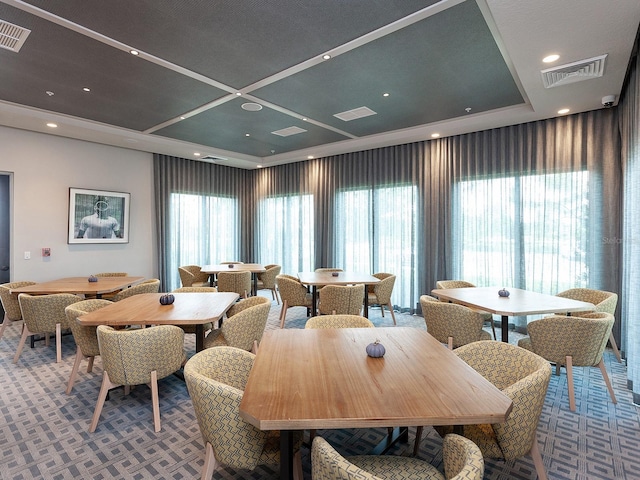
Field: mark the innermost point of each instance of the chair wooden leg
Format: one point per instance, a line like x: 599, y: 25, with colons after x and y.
x: 58, y: 343
x: 450, y: 343
x: 90, y: 364
x: 254, y: 348
x: 557, y: 369
x: 297, y: 466
x: 416, y: 445
x: 493, y: 329
x: 393, y: 316
x: 572, y: 395
x: 5, y: 322
x: 210, y: 463
x: 612, y: 340
x: 283, y: 313
x: 74, y: 370
x: 155, y: 401
x: 23, y: 338
x: 275, y: 292
x: 104, y: 390
x: 606, y: 380
x: 537, y: 460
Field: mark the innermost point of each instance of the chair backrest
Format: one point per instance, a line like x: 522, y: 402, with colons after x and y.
x: 245, y: 322
x: 339, y: 321
x: 195, y: 290
x: 148, y: 286
x: 190, y: 274
x: 446, y: 320
x: 111, y: 274
x: 521, y: 375
x: 10, y: 300
x: 384, y: 288
x: 328, y: 464
x: 583, y: 337
x: 603, y: 300
x: 462, y: 458
x: 231, y: 263
x: 238, y: 282
x: 129, y: 356
x: 85, y: 337
x: 215, y: 379
x: 41, y: 313
x: 292, y: 291
x: 341, y: 299
x: 268, y: 278
x: 453, y: 284
x: 329, y: 269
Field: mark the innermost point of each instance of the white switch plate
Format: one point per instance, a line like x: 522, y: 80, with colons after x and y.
x: 27, y: 255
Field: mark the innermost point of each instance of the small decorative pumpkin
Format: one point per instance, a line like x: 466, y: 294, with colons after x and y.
x: 504, y: 292
x: 167, y: 299
x: 376, y: 349
x: 334, y: 274
x: 231, y: 265
x: 93, y: 278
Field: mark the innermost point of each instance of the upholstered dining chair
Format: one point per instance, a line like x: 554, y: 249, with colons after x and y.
x: 191, y: 276
x: 486, y: 316
x: 238, y: 282
x: 453, y: 324
x: 572, y: 341
x: 341, y: 299
x: 207, y: 289
x: 339, y: 321
x: 380, y: 293
x: 462, y: 461
x: 86, y: 338
x: 293, y: 294
x: 44, y: 314
x: 604, y: 302
x: 244, y: 326
x: 232, y: 263
x: 148, y: 286
x: 524, y: 377
x: 134, y: 357
x: 216, y: 378
x: 10, y: 305
x: 329, y: 269
x: 111, y: 274
x: 267, y: 280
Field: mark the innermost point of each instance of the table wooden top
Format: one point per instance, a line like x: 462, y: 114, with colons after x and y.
x: 313, y: 379
x: 80, y: 285
x: 145, y: 309
x: 343, y: 278
x: 234, y: 267
x: 519, y: 302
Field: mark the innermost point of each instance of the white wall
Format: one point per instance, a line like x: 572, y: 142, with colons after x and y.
x: 43, y: 168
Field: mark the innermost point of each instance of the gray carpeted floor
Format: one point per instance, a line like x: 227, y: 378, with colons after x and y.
x: 43, y: 431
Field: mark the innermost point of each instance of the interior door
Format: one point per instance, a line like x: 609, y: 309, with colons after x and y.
x: 5, y: 224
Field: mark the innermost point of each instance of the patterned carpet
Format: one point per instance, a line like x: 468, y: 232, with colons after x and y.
x: 43, y: 431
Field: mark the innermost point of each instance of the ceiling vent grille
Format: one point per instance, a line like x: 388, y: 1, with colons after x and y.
x: 354, y: 114
x: 574, y: 72
x: 285, y: 132
x: 12, y: 37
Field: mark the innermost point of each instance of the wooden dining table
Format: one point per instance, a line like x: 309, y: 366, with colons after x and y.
x: 145, y: 309
x: 80, y: 286
x: 254, y: 268
x: 323, y: 379
x: 518, y: 303
x: 321, y: 279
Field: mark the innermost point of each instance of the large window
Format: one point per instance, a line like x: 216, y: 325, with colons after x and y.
x: 527, y: 231
x: 286, y: 233
x: 203, y: 230
x: 376, y: 231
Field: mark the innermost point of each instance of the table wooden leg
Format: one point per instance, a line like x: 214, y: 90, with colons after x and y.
x: 314, y: 297
x: 286, y: 454
x: 505, y: 329
x: 365, y: 312
x: 199, y: 337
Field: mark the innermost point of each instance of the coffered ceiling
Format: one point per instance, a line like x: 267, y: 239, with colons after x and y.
x: 245, y: 82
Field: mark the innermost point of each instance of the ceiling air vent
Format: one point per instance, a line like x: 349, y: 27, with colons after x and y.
x: 359, y: 112
x: 12, y: 36
x: 574, y: 72
x: 285, y: 132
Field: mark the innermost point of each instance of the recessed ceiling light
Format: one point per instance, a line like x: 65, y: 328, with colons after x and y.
x: 468, y: 109
x: 86, y: 89
x: 385, y: 94
x: 304, y: 119
x: 562, y: 111
x: 326, y: 57
x: 259, y: 166
x: 435, y: 135
x: 551, y: 58
x: 310, y: 157
x: 247, y: 134
x: 134, y: 52
x: 182, y: 118
x: 251, y: 107
x: 238, y: 93
x: 197, y: 154
x: 50, y: 93
x: 52, y: 125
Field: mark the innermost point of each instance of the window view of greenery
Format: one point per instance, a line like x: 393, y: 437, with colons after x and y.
x: 286, y: 233
x: 376, y: 231
x: 204, y: 230
x: 527, y: 232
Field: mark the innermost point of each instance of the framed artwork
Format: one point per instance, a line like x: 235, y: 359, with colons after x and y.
x: 98, y: 216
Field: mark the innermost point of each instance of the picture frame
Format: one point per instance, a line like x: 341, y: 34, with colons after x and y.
x: 98, y: 216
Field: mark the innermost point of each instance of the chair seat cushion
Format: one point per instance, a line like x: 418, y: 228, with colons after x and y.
x: 390, y: 467
x: 215, y: 339
x: 482, y: 435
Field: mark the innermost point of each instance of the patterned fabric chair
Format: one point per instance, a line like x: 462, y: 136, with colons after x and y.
x: 191, y: 276
x: 572, y: 341
x: 244, y: 326
x: 524, y: 377
x: 111, y: 274
x: 44, y: 314
x: 293, y: 294
x: 329, y: 269
x: 86, y: 337
x: 207, y: 289
x: 486, y: 316
x: 341, y: 299
x: 380, y: 293
x: 148, y: 286
x: 12, y: 312
x: 238, y: 282
x: 462, y: 461
x: 339, y: 321
x: 267, y: 280
x: 453, y: 324
x: 216, y: 379
x: 604, y: 302
x: 134, y: 357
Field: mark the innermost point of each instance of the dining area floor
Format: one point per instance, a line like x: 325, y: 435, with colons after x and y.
x: 44, y: 432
